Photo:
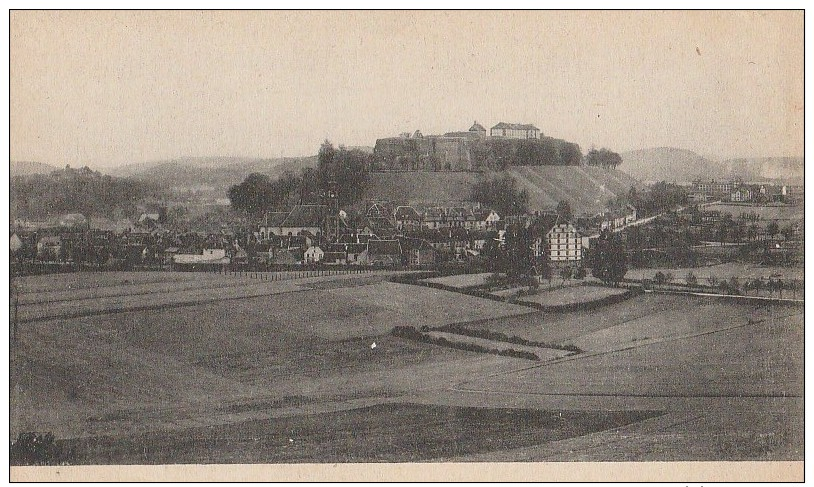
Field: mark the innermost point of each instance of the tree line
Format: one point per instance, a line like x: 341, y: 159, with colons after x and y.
x: 78, y: 190
x: 346, y: 169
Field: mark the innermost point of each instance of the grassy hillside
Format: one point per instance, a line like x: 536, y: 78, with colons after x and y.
x: 587, y: 188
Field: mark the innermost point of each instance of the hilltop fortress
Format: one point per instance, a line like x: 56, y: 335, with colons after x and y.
x: 505, y: 145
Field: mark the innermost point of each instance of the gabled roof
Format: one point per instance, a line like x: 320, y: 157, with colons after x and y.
x: 306, y: 216
x: 410, y: 243
x: 378, y: 210
x: 274, y: 218
x: 407, y: 213
x: 476, y: 127
x: 515, y: 126
x: 384, y: 247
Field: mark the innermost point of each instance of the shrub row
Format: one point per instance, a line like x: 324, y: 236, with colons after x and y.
x: 502, y: 337
x: 598, y: 303
x: 411, y: 333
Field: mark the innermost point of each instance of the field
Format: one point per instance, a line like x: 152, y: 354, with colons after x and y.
x: 461, y: 280
x: 587, y: 188
x: 188, y: 368
x: 572, y: 295
x: 721, y: 271
x: 766, y: 213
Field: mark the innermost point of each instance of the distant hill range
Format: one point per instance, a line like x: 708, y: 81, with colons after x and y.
x: 215, y: 173
x: 25, y: 168
x: 680, y: 165
x: 588, y: 189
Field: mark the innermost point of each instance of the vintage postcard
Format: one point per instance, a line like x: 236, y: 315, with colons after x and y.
x: 401, y: 245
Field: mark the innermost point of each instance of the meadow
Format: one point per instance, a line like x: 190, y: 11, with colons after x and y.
x: 234, y: 369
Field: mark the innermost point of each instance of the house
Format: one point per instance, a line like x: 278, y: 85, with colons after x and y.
x: 478, y: 129
x: 335, y: 258
x: 207, y: 256
x: 418, y: 251
x: 313, y: 255
x: 741, y: 194
x: 304, y: 219
x: 168, y: 255
x: 435, y: 218
x: 74, y: 221
x: 15, y: 243
x: 407, y: 218
x: 515, y: 131
x: 350, y: 251
x: 49, y: 247
x: 384, y: 252
x: 538, y: 230
x: 564, y: 243
x: 487, y: 220
x: 272, y: 224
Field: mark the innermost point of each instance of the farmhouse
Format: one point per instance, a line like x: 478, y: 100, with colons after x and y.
x: 384, y: 252
x: 407, y: 218
x: 313, y: 255
x: 49, y: 247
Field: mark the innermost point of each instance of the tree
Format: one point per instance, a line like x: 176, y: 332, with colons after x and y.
x: 773, y: 229
x: 501, y: 194
x: 603, y: 158
x: 564, y: 210
x: 734, y: 284
x: 566, y: 273
x: 691, y: 279
x: 254, y: 195
x: 609, y: 259
x: 757, y: 285
x: 519, y: 256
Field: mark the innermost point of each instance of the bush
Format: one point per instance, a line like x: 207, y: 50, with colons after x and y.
x: 691, y: 279
x: 34, y: 449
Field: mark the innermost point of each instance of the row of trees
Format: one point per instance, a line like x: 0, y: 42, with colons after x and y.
x: 348, y: 169
x: 499, y: 154
x: 78, y: 190
x: 603, y: 158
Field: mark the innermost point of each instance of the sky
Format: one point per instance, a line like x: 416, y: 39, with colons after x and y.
x: 109, y: 88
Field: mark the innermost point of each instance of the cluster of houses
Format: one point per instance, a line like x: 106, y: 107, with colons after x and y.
x: 737, y: 191
x: 305, y: 235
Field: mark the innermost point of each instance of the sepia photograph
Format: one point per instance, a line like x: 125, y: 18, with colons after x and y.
x: 431, y: 239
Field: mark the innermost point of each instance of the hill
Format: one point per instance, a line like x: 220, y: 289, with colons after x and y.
x: 587, y: 188
x: 680, y: 165
x: 668, y: 164
x: 24, y: 168
x: 788, y: 170
x: 214, y: 173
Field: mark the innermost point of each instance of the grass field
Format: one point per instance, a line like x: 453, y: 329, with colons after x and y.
x: 235, y: 376
x: 766, y: 213
x: 461, y: 280
x: 721, y: 271
x: 572, y: 295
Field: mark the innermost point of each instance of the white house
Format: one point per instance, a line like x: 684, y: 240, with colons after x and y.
x: 564, y: 243
x: 313, y: 254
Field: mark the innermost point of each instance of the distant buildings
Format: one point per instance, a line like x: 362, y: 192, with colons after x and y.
x: 515, y: 131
